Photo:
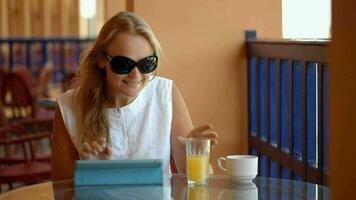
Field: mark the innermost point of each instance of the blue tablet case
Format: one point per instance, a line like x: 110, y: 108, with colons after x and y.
x: 118, y: 172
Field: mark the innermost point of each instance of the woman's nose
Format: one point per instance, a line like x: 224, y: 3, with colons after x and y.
x: 134, y: 72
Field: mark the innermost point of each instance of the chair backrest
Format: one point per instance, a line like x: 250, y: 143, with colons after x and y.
x: 16, y: 97
x: 18, y: 157
x: 27, y: 77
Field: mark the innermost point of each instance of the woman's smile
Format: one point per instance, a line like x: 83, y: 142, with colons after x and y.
x: 132, y: 83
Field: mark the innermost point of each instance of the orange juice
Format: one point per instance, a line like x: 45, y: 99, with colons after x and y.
x: 198, y: 168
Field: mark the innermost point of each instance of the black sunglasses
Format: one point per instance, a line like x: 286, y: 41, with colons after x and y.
x: 124, y: 65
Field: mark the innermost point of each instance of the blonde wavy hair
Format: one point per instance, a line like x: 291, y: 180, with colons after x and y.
x: 89, y: 98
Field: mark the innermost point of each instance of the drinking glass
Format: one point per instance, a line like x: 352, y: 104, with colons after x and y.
x: 197, y: 155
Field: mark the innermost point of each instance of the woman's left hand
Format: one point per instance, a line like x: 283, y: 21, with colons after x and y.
x: 205, y: 131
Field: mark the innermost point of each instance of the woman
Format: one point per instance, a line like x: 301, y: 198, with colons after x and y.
x: 120, y: 110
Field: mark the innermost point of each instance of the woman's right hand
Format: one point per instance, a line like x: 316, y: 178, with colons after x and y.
x: 97, y: 149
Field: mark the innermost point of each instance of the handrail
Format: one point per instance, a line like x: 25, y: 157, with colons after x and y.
x: 312, y: 50
x: 61, y: 52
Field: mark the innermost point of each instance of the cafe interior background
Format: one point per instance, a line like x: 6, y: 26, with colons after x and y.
x: 204, y: 43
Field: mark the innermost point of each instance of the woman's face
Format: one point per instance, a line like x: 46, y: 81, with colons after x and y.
x: 126, y: 87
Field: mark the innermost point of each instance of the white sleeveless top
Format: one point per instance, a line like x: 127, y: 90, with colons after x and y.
x: 140, y: 130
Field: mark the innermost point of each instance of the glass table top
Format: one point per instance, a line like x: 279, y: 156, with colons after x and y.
x: 175, y: 187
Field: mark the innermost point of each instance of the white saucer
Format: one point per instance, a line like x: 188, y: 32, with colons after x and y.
x: 242, y: 179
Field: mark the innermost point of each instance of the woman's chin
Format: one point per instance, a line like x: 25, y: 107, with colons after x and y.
x: 131, y: 92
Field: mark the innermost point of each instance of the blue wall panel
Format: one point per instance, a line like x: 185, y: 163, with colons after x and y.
x: 273, y: 169
x: 263, y: 165
x: 273, y: 101
x: 252, y: 89
x: 311, y: 110
x: 262, y: 70
x: 284, y: 172
x: 253, y: 152
x: 297, y: 109
x: 284, y: 104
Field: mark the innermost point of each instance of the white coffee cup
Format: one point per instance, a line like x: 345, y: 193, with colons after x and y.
x: 240, y: 168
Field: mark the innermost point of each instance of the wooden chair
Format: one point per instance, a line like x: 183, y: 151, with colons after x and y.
x: 15, y: 143
x: 27, y: 77
x: 16, y: 97
x: 36, y: 85
x: 17, y: 108
x: 17, y: 101
x: 30, y: 126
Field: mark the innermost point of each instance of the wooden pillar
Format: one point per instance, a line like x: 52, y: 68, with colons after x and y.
x: 342, y: 93
x: 130, y: 5
x: 56, y: 10
x: 47, y: 19
x: 27, y: 18
x: 64, y: 16
x: 16, y: 17
x: 100, y: 14
x: 73, y: 18
x: 38, y: 18
x: 69, y: 17
x: 4, y: 20
x: 114, y: 6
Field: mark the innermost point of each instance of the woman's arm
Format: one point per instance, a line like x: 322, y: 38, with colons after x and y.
x: 182, y: 128
x: 63, y: 151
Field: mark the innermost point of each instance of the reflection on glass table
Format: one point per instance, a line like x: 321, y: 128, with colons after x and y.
x: 175, y: 187
x: 219, y: 187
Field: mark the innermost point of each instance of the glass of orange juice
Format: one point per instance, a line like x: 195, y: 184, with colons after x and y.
x: 197, y: 155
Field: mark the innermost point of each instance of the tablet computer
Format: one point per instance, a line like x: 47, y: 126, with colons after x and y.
x: 118, y: 172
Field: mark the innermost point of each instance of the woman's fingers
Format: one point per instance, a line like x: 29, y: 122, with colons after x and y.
x: 106, y: 150
x: 213, y: 136
x: 107, y: 153
x: 205, y: 131
x: 86, y: 151
x: 102, y: 141
x: 97, y: 148
x: 87, y: 148
x: 197, y: 132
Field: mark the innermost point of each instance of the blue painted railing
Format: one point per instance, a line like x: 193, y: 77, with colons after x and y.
x: 35, y: 53
x: 287, y: 86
